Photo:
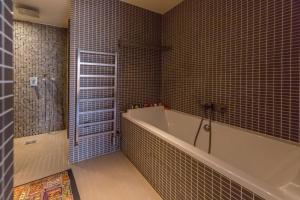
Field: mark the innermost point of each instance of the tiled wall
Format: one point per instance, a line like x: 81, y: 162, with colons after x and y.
x: 243, y: 54
x: 174, y: 174
x: 6, y: 100
x: 39, y: 50
x: 139, y: 69
x: 238, y: 53
x: 97, y: 25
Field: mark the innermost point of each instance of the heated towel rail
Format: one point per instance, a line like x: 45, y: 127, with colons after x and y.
x: 96, y: 94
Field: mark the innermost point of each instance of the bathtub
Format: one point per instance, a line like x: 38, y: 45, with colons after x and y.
x: 266, y: 166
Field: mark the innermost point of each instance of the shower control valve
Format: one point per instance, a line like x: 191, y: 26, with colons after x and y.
x: 33, y: 81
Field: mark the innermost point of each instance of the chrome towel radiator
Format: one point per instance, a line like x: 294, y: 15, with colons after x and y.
x: 96, y: 94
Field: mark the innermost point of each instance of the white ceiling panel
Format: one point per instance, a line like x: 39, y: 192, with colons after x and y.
x: 56, y: 12
x: 158, y: 6
x: 52, y: 12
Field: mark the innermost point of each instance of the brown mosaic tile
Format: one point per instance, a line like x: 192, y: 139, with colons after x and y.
x: 173, y: 173
x: 6, y: 95
x: 40, y: 50
x: 242, y: 54
x: 98, y: 25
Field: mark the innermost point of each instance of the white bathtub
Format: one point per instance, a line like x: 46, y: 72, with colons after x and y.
x: 268, y: 167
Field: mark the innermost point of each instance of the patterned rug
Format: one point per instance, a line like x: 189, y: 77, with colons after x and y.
x: 59, y: 186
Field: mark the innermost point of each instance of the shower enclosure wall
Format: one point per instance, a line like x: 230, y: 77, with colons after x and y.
x: 41, y: 52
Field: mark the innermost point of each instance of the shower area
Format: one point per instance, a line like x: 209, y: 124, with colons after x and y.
x: 40, y: 78
x: 40, y: 103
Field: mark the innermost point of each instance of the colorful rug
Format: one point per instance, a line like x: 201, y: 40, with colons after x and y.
x: 59, y: 186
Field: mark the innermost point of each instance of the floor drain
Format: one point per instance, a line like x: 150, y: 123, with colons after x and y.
x: 30, y: 142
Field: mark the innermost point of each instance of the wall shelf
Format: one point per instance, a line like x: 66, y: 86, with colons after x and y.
x: 133, y: 44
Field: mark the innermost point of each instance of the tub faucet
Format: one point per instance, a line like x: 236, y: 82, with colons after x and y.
x: 213, y: 107
x: 209, y: 107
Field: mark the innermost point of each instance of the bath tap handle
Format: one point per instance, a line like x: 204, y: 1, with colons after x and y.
x: 210, y: 106
x: 220, y: 108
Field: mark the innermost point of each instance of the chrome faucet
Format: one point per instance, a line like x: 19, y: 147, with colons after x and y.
x: 210, y: 108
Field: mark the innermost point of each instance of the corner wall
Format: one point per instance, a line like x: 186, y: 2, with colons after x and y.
x: 6, y: 100
x: 242, y: 54
x: 97, y: 25
x: 236, y: 53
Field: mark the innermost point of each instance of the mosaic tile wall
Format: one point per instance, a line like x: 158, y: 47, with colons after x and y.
x: 97, y: 25
x: 243, y: 54
x: 174, y: 174
x: 39, y: 50
x: 6, y: 100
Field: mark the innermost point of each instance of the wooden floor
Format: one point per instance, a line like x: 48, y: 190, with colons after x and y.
x: 111, y: 177
x: 49, y: 155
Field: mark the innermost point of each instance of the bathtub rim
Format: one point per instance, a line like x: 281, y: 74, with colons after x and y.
x: 248, y: 131
x: 242, y: 178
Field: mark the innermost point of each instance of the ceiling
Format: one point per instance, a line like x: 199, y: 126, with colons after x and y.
x: 52, y: 12
x: 56, y: 12
x: 158, y: 6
